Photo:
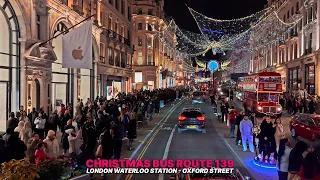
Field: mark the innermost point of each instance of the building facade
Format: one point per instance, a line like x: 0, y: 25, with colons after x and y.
x: 153, y: 59
x: 31, y: 58
x: 116, y: 50
x: 297, y: 57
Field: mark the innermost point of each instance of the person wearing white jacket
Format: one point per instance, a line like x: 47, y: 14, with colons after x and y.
x: 40, y: 125
x: 52, y: 145
x: 72, y: 140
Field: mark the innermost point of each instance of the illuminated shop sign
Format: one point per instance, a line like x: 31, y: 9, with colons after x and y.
x: 249, y: 86
x: 204, y: 80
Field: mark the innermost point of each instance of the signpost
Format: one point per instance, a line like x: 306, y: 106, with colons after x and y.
x: 213, y: 66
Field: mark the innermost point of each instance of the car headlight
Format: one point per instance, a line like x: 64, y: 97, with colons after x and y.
x: 219, y: 89
x: 221, y: 93
x: 259, y: 108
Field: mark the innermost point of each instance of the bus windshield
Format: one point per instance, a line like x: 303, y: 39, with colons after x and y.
x: 263, y: 97
x: 266, y: 97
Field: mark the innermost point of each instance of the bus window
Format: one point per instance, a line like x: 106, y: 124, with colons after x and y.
x: 274, y: 98
x: 263, y: 97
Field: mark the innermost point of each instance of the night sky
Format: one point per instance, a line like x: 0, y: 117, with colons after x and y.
x: 218, y: 9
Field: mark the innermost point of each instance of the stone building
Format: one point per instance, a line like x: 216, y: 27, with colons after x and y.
x: 296, y: 58
x: 153, y: 60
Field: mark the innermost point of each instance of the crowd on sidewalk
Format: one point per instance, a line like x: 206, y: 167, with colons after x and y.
x: 270, y: 145
x: 101, y: 126
x: 300, y: 101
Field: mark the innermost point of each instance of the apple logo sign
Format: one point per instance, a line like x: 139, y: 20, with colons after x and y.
x: 77, y: 54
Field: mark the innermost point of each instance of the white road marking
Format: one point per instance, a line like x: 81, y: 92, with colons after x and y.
x: 166, y: 151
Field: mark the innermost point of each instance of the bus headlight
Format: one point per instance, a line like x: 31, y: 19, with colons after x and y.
x: 221, y: 93
x: 259, y: 108
x: 219, y: 89
x: 279, y: 108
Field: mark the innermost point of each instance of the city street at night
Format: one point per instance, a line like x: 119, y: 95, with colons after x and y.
x: 160, y: 89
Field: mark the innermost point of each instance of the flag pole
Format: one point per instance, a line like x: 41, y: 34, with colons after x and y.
x: 66, y: 30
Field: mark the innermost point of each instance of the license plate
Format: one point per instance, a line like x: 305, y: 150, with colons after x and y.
x: 198, y: 98
x: 191, y: 127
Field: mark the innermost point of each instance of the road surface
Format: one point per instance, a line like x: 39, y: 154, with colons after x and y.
x: 166, y: 143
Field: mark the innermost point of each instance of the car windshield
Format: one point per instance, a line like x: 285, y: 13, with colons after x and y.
x: 191, y: 114
x: 198, y: 94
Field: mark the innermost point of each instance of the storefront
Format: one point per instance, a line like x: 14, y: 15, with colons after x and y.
x: 310, y: 78
x: 113, y: 86
x: 293, y: 79
x: 10, y: 62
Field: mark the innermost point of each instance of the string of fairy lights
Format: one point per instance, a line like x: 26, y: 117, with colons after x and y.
x: 250, y: 33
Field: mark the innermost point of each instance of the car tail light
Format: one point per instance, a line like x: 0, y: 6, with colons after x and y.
x: 192, y: 96
x: 200, y: 118
x: 182, y: 118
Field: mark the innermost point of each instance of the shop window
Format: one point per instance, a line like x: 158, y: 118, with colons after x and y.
x: 310, y: 78
x: 150, y: 59
x: 138, y: 77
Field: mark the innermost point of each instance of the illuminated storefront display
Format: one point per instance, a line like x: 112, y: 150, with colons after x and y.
x: 310, y: 78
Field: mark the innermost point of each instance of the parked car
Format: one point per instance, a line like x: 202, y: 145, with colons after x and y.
x: 306, y: 126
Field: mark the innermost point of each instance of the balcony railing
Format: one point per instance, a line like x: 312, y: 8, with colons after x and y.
x: 102, y: 59
x: 111, y: 34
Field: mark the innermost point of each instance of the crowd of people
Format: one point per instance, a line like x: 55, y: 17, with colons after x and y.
x: 269, y: 143
x: 101, y: 125
x: 300, y: 102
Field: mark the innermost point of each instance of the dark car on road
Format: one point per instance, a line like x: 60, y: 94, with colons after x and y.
x: 191, y: 119
x: 198, y: 97
x: 306, y: 126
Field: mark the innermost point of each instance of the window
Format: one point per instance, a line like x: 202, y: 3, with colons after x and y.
x: 111, y: 2
x: 122, y: 31
x: 288, y: 14
x: 129, y: 35
x: 129, y: 13
x: 38, y: 27
x: 115, y: 27
x: 149, y: 42
x: 122, y: 7
x: 274, y: 98
x: 140, y: 11
x: 149, y: 27
x: 263, y: 97
x: 297, y: 7
x: 150, y: 59
x: 287, y: 54
x: 292, y: 10
x: 295, y: 51
x: 110, y: 23
x: 139, y: 41
x: 150, y: 11
x: 140, y: 26
x: 140, y: 60
x: 102, y: 53
x: 117, y: 4
x: 110, y: 56
x: 138, y: 77
x: 310, y: 43
x: 293, y: 75
x: 310, y: 78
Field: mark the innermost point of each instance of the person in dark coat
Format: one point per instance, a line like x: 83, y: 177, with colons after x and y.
x: 132, y: 130
x: 118, y: 134
x: 53, y: 122
x: 13, y: 121
x: 5, y: 154
x: 16, y: 147
x: 296, y: 159
x: 156, y: 105
x: 32, y: 116
x: 83, y: 156
x: 239, y: 118
x: 89, y: 134
x: 312, y: 106
x: 266, y: 140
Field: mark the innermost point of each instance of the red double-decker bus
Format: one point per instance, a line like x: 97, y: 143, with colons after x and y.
x: 261, y: 92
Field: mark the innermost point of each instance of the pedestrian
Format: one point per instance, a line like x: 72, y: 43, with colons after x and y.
x: 13, y: 121
x: 19, y: 127
x: 89, y: 134
x: 239, y: 118
x: 232, y: 122
x: 52, y: 122
x: 266, y: 140
x: 118, y: 135
x: 72, y: 140
x: 310, y: 169
x: 32, y: 146
x: 40, y: 155
x: 279, y: 134
x: 132, y: 130
x: 40, y: 123
x: 24, y: 117
x: 26, y: 132
x: 283, y: 159
x: 32, y: 117
x: 17, y: 147
x: 104, y: 150
x: 5, y: 154
x: 246, y: 133
x: 296, y: 159
x: 52, y: 147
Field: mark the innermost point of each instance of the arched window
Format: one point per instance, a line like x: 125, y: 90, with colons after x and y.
x: 9, y: 62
